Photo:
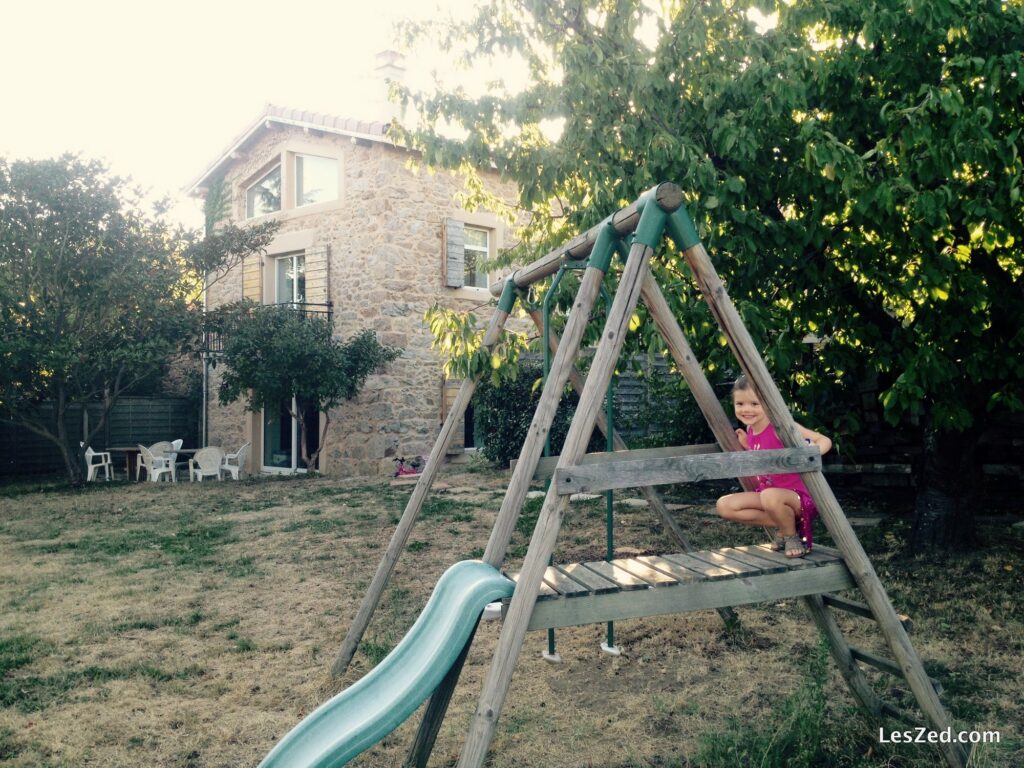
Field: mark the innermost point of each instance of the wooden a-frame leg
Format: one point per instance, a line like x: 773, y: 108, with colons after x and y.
x: 856, y: 559
x: 545, y: 534
x: 519, y: 484
x: 840, y: 650
x: 412, y: 509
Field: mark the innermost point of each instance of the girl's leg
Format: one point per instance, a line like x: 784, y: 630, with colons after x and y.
x: 746, y: 508
x: 782, y: 506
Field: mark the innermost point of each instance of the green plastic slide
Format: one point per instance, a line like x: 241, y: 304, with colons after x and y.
x: 363, y: 714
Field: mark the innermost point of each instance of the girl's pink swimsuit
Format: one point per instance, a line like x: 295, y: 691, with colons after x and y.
x: 766, y: 440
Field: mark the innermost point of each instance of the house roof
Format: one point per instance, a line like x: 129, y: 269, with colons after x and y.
x: 342, y: 126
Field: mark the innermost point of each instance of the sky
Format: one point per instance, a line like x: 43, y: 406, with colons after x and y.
x: 159, y: 91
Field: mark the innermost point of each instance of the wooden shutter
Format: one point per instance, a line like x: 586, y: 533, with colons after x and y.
x: 454, y: 253
x: 316, y: 276
x: 449, y: 391
x: 252, y: 278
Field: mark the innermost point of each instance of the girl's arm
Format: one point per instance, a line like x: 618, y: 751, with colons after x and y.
x: 741, y: 435
x: 815, y: 438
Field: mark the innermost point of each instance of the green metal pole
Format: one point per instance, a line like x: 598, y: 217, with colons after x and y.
x: 552, y: 654
x: 609, y: 495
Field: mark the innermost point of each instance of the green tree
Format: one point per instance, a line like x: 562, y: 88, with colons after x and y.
x: 96, y: 295
x: 855, y: 171
x: 273, y: 354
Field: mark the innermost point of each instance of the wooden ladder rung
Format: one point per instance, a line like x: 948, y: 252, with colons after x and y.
x: 885, y: 665
x: 860, y: 609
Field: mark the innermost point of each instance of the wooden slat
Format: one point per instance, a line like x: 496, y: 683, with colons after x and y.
x: 765, y: 553
x: 692, y: 596
x: 546, y: 466
x: 861, y: 609
x: 676, y: 571
x: 720, y: 559
x: 545, y: 590
x: 625, y: 580
x: 885, y: 665
x: 767, y: 566
x: 652, y: 576
x: 706, y: 570
x: 685, y: 469
x: 562, y: 584
x: 593, y: 581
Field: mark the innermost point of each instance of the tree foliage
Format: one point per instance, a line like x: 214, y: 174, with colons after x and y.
x: 95, y: 293
x: 855, y: 171
x: 273, y: 354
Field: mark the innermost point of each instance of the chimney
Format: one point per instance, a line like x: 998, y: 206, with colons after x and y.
x: 390, y: 68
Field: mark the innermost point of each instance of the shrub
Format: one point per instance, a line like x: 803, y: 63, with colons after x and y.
x: 503, y: 414
x: 667, y: 415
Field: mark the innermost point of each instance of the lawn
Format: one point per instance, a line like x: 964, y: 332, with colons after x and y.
x: 192, y: 625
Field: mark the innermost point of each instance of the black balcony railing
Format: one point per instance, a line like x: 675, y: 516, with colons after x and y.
x: 213, y: 335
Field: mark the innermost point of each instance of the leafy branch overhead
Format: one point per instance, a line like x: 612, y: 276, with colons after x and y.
x: 855, y: 170
x: 458, y: 337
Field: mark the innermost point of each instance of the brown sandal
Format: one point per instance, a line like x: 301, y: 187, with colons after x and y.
x: 778, y: 542
x: 795, y: 546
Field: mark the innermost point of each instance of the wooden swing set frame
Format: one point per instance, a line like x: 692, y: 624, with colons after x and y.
x: 635, y: 232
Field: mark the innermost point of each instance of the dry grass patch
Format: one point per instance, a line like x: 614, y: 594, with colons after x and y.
x: 193, y: 625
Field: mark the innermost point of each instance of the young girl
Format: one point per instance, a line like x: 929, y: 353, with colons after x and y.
x: 779, y: 501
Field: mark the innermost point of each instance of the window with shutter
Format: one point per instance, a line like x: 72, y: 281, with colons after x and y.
x: 454, y: 253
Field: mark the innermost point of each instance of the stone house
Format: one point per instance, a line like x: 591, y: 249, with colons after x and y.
x: 373, y: 242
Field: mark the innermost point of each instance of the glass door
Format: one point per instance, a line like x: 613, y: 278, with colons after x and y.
x: 281, y: 452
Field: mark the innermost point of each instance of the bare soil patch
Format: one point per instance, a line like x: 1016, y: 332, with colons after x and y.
x: 192, y: 625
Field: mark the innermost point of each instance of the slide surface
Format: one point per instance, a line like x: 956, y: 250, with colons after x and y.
x: 366, y: 712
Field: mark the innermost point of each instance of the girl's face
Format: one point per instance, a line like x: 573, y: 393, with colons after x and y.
x: 749, y: 410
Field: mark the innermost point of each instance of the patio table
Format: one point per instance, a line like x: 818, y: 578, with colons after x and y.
x: 131, y: 457
x: 169, y: 455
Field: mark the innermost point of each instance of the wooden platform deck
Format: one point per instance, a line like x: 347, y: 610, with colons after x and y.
x: 594, y: 592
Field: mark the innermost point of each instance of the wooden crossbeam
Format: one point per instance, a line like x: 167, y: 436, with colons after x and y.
x: 546, y: 466
x: 860, y: 609
x: 627, y: 473
x: 885, y: 665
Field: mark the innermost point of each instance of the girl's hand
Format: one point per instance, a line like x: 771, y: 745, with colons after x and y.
x: 741, y: 435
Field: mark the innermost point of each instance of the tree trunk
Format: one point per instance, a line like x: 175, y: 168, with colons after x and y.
x: 948, y: 488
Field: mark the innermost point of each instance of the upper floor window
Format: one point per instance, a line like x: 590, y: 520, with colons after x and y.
x: 477, y: 249
x: 291, y: 279
x: 264, y: 196
x: 316, y: 179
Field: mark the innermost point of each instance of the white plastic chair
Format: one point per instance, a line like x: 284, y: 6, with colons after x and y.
x: 94, y: 462
x: 235, y: 462
x: 154, y: 462
x: 206, y: 463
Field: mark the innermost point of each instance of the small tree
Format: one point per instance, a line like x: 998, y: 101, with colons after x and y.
x: 274, y: 354
x: 96, y: 295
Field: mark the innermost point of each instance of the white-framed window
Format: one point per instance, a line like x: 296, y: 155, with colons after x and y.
x: 264, y: 196
x: 290, y: 278
x: 316, y: 179
x: 477, y: 247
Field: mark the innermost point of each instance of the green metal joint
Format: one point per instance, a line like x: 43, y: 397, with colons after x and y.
x: 682, y: 231
x: 651, y: 225
x: 604, y: 247
x: 623, y: 245
x: 508, y: 296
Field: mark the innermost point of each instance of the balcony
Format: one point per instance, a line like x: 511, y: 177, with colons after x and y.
x: 215, y: 322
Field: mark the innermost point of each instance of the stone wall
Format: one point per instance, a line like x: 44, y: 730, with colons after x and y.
x: 384, y: 271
